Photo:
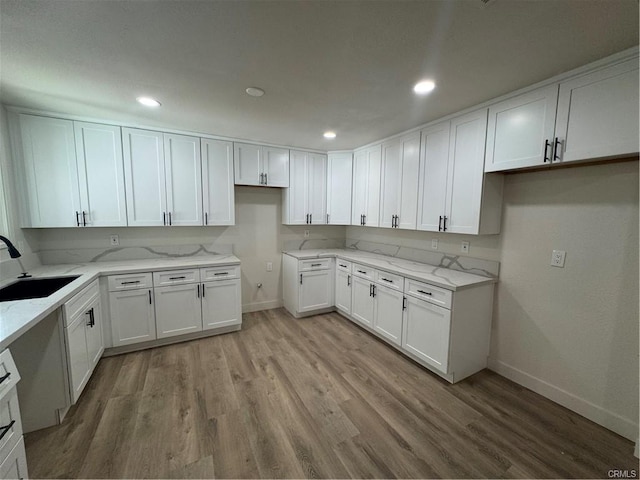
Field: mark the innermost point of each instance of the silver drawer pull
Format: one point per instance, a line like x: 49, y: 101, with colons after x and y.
x: 426, y: 293
x: 131, y: 283
x: 4, y: 377
x: 5, y: 429
x: 221, y: 273
x: 177, y: 278
x: 386, y: 280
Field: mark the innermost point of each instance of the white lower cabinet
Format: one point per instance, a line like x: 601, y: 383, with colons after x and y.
x: 132, y: 316
x: 362, y: 301
x: 343, y: 286
x: 221, y: 304
x: 83, y: 337
x: 315, y: 290
x: 387, y: 318
x: 13, y: 460
x: 308, y: 285
x: 178, y: 310
x: 426, y: 332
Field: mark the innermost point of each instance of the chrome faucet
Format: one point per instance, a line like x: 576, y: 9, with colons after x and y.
x: 14, y: 253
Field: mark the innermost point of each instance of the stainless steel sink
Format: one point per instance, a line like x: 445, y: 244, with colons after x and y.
x: 34, y: 288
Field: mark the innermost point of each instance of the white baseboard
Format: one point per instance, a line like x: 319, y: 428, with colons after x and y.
x: 257, y: 306
x: 618, y: 424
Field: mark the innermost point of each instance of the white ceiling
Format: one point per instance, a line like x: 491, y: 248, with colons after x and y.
x: 348, y: 66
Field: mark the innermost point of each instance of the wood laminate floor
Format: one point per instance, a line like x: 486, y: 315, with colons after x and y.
x: 311, y: 398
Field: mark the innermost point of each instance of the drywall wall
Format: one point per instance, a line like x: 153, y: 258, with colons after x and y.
x: 572, y: 333
x: 257, y: 238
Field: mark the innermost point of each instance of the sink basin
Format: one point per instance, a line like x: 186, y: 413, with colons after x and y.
x: 34, y: 288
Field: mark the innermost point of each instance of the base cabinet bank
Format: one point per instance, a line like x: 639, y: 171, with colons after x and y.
x: 446, y: 330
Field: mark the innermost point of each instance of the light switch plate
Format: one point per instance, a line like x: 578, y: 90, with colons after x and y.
x: 269, y: 266
x: 434, y: 243
x: 557, y: 258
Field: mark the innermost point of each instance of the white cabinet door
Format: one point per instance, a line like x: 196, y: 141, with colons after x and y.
x: 221, y: 304
x: 247, y: 161
x: 144, y: 177
x: 426, y: 332
x: 339, y: 187
x: 387, y: 318
x: 366, y: 187
x: 466, y: 172
x: 315, y: 290
x: 93, y: 334
x: 132, y: 317
x: 343, y: 291
x: 183, y: 176
x: 296, y: 198
x: 15, y: 465
x: 317, y: 188
x: 50, y: 171
x: 520, y: 130
x: 362, y: 302
x: 399, y: 183
x: 217, y: 182
x: 78, y: 356
x: 101, y: 174
x: 433, y: 177
x: 598, y: 114
x: 178, y: 310
x: 275, y: 167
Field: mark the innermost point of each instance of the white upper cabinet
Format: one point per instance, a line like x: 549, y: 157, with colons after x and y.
x: 144, y: 177
x: 399, y: 184
x: 366, y: 186
x: 598, y: 114
x: 183, y: 176
x: 261, y: 166
x: 163, y: 178
x: 100, y: 174
x: 304, y: 202
x: 472, y: 200
x: 520, y: 130
x: 339, y: 185
x: 50, y: 172
x: 217, y: 182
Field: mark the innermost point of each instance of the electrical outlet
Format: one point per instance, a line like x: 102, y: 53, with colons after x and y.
x: 114, y: 240
x: 557, y: 258
x: 465, y: 247
x: 434, y: 243
x: 269, y: 266
x: 306, y: 234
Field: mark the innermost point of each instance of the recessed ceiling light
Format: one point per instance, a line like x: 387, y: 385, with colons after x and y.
x: 329, y: 134
x: 255, y: 91
x: 148, y: 101
x: 423, y: 87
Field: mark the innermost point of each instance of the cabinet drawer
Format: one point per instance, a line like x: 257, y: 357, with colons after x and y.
x: 130, y: 281
x: 436, y: 295
x: 219, y: 273
x: 176, y: 277
x: 15, y: 465
x: 390, y: 280
x: 363, y: 272
x: 343, y: 265
x: 9, y: 375
x: 77, y: 305
x: 315, y: 264
x: 9, y: 417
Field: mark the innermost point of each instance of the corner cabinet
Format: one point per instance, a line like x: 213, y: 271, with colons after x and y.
x: 366, y: 186
x: 455, y: 195
x: 305, y: 201
x: 339, y: 185
x: 261, y: 166
x: 163, y: 178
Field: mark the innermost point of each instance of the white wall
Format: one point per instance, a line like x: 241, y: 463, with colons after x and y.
x: 572, y: 333
x: 258, y: 237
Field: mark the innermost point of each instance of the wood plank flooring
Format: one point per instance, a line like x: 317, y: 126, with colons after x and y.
x: 311, y: 398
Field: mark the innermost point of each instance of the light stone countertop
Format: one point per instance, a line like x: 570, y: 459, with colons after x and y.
x: 422, y: 272
x: 18, y: 316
